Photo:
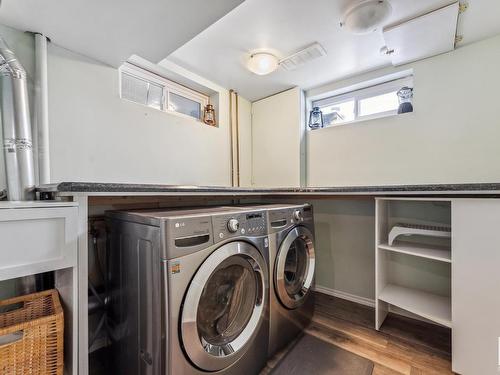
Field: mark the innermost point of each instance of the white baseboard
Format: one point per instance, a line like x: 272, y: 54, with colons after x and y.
x: 367, y: 302
x: 347, y: 296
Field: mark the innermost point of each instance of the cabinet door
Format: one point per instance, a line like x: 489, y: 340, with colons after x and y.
x: 278, y: 140
x: 476, y: 286
x: 35, y: 240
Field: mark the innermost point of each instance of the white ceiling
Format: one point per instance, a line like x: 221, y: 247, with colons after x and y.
x: 284, y: 26
x: 112, y: 30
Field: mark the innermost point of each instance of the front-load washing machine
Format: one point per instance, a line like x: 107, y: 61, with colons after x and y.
x: 292, y: 265
x: 189, y: 291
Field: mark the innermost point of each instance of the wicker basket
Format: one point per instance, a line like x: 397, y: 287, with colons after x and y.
x: 31, y: 335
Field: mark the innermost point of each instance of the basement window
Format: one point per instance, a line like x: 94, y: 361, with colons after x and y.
x: 366, y: 101
x: 143, y: 87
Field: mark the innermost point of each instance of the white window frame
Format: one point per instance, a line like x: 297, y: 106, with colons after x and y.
x: 362, y: 93
x: 168, y: 87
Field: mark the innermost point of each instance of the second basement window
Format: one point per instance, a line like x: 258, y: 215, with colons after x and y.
x: 141, y: 86
x: 370, y: 102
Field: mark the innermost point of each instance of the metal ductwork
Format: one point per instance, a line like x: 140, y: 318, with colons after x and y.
x: 16, y: 124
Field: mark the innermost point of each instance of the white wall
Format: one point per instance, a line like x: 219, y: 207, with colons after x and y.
x: 96, y: 136
x: 23, y: 45
x: 245, y: 136
x: 345, y: 238
x: 277, y: 140
x: 452, y: 137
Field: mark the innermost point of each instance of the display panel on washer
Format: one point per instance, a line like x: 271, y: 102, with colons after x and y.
x: 224, y: 306
x: 294, y: 267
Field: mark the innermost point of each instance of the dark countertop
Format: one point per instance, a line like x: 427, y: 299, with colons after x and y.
x: 95, y: 188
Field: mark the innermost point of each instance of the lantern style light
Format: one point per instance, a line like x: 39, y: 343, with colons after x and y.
x: 405, y: 96
x: 209, y: 115
x: 316, y: 118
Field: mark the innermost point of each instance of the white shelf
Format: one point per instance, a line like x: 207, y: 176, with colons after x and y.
x: 427, y: 305
x: 441, y: 254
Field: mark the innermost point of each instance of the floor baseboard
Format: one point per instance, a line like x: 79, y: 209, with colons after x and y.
x: 347, y: 296
x: 367, y: 302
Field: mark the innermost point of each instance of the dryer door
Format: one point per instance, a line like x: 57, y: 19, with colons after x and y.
x: 224, y: 306
x: 294, y: 267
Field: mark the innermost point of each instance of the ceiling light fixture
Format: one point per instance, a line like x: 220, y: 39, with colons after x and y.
x: 262, y: 63
x: 366, y: 16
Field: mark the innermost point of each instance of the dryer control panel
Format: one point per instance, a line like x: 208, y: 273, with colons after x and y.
x: 251, y: 224
x: 282, y: 218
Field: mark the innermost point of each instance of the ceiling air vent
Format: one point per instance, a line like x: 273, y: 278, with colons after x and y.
x: 303, y: 56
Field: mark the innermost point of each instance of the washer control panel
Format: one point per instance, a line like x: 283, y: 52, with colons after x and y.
x: 233, y: 225
x: 239, y: 224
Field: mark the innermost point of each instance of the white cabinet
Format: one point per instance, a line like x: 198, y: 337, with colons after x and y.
x: 42, y: 236
x: 476, y: 286
x: 418, y: 278
x: 278, y: 149
x: 37, y: 237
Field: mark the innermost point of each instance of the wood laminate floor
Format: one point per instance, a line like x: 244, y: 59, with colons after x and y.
x: 402, y: 346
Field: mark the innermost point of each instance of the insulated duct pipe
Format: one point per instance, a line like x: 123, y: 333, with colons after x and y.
x: 16, y: 124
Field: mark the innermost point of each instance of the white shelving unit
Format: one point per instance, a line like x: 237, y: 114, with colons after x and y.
x: 413, y: 275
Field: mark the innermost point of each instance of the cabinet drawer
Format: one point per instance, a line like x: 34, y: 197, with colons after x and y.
x: 34, y: 240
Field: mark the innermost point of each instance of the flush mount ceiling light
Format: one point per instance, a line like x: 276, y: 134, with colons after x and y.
x: 262, y: 63
x: 366, y: 16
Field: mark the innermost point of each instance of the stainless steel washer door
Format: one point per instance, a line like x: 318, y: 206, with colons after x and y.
x: 294, y: 267
x: 224, y: 306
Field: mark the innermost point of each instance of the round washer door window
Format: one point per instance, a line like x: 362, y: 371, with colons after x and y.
x: 224, y: 306
x: 294, y: 267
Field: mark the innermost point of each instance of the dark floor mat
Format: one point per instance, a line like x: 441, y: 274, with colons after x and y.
x: 311, y: 355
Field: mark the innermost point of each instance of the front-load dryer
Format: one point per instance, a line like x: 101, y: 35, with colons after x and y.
x: 292, y: 266
x: 190, y: 291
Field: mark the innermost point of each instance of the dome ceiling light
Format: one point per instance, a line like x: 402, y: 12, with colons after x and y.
x: 262, y: 63
x: 366, y: 16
